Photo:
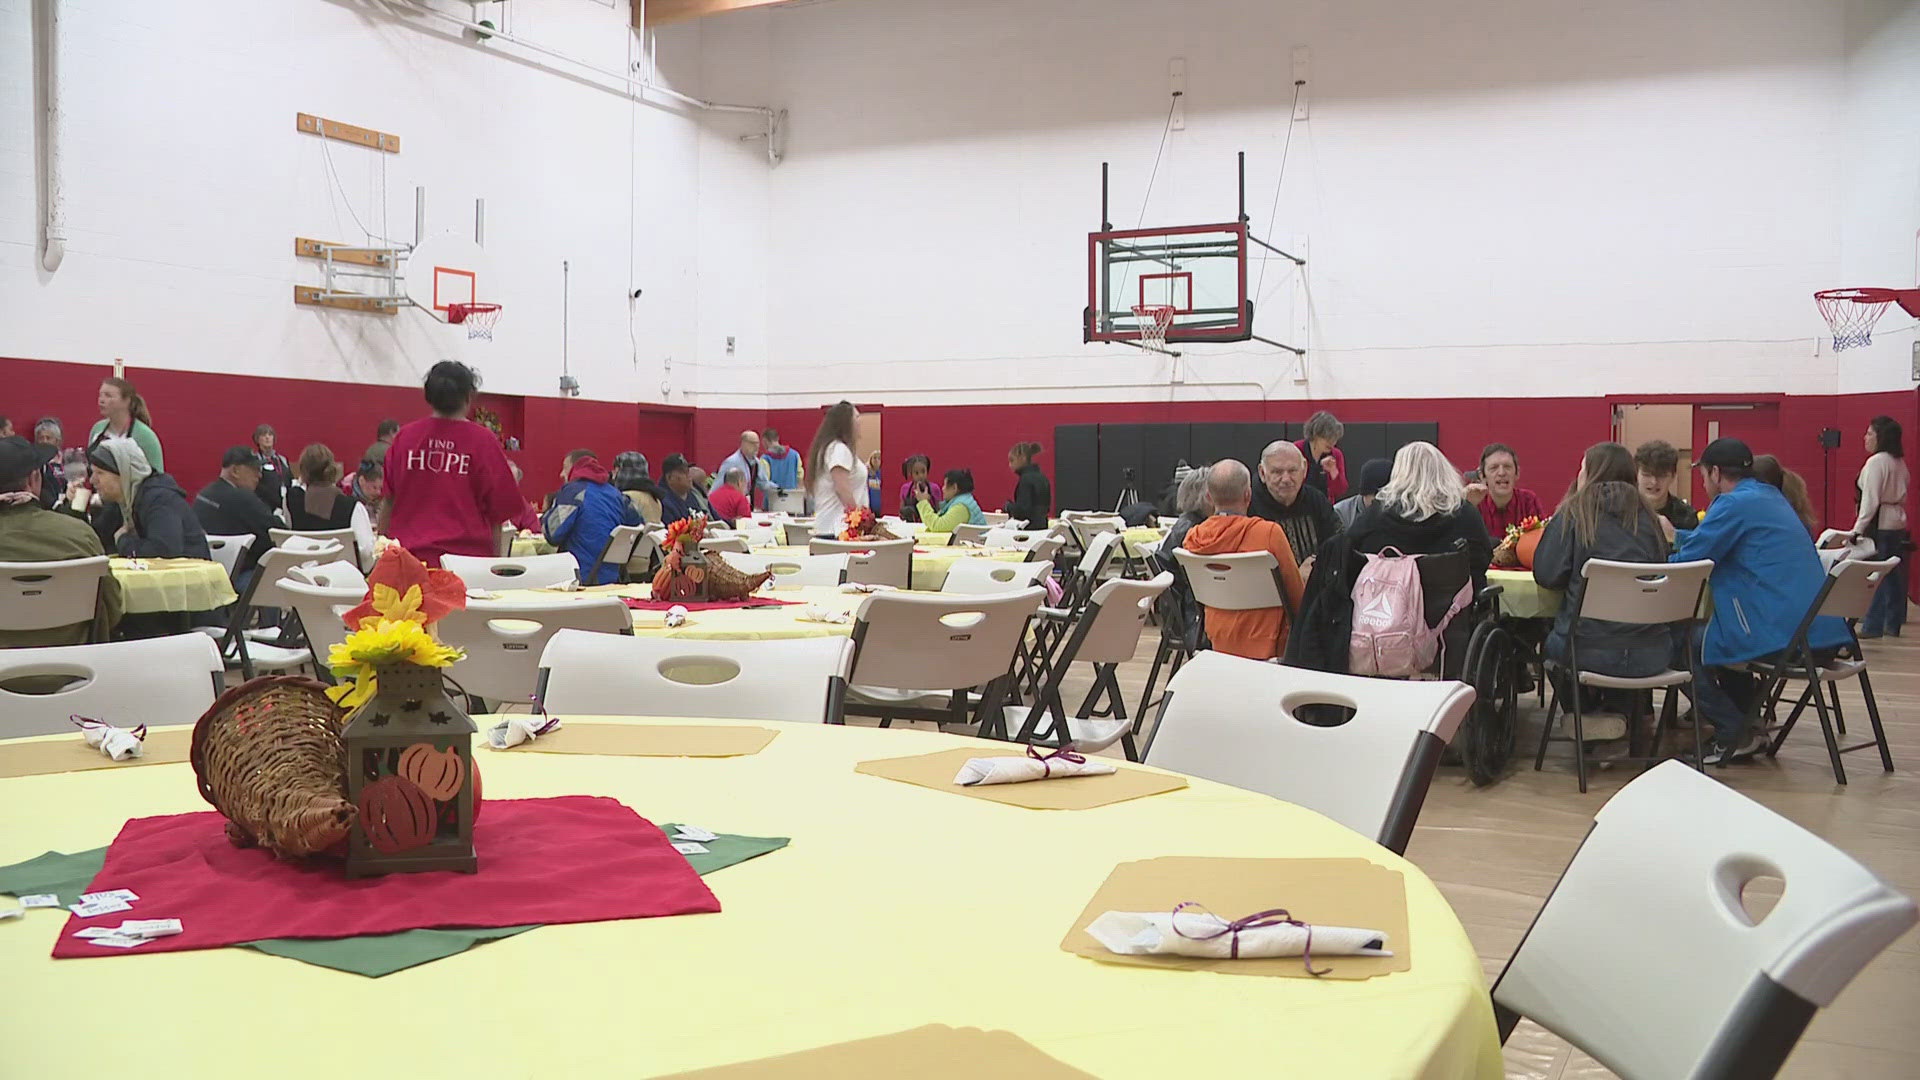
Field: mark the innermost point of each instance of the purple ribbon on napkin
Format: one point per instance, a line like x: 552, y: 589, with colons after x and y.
x: 1065, y: 754
x: 1255, y: 921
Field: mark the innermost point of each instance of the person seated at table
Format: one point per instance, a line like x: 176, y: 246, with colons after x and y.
x: 729, y: 500
x: 747, y: 459
x: 1768, y: 470
x: 1326, y: 465
x: 583, y: 515
x: 368, y: 485
x: 630, y: 476
x: 678, y: 498
x: 1259, y: 633
x: 958, y: 506
x: 449, y: 486
x: 46, y: 432
x: 702, y: 493
x: 1656, y: 464
x: 1608, y: 517
x: 143, y: 514
x: 1191, y: 502
x: 1373, y: 476
x: 29, y: 532
x: 1284, y: 498
x: 1498, y: 494
x: 315, y: 502
x: 1766, y: 573
x: 229, y: 506
x: 917, y: 468
x: 1422, y: 510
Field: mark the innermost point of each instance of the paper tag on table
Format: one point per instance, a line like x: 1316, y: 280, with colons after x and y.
x: 113, y: 894
x: 1019, y: 770
x: 117, y: 941
x: 87, y: 909
x: 12, y: 913
x: 688, y: 847
x: 1142, y: 933
x: 45, y: 899
x: 693, y: 833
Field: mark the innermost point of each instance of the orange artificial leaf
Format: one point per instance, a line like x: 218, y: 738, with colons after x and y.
x: 403, y: 587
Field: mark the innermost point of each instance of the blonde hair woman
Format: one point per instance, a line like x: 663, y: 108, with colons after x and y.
x: 1423, y: 510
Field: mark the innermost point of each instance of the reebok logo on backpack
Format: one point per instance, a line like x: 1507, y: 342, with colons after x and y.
x: 1390, y: 632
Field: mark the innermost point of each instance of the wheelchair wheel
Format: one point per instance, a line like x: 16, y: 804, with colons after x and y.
x: 1488, y: 735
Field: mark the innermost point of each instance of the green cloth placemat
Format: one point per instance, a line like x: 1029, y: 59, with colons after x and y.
x: 372, y: 955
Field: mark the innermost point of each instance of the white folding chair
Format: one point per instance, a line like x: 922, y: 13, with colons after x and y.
x: 970, y: 534
x: 734, y: 544
x: 902, y: 641
x: 1045, y: 548
x: 1106, y: 635
x: 995, y: 517
x: 1645, y: 957
x: 47, y: 595
x: 505, y: 639
x: 321, y: 609
x: 796, y: 533
x: 271, y: 647
x: 1077, y: 588
x: 794, y: 571
x: 1239, y: 722
x: 339, y: 574
x: 526, y: 572
x: 1637, y: 594
x: 1846, y: 594
x: 757, y: 534
x: 872, y: 562
x: 985, y: 577
x: 1025, y: 539
x: 503, y: 540
x: 801, y: 680
x: 1242, y: 581
x: 228, y: 549
x: 164, y: 680
x: 343, y: 537
x: 624, y: 545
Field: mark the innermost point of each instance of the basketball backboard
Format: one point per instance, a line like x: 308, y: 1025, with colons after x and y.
x: 1198, y: 270
x: 446, y: 269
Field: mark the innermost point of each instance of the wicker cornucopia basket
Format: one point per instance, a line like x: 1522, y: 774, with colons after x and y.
x: 269, y: 756
x: 728, y: 582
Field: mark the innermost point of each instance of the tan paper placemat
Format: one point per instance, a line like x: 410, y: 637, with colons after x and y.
x: 937, y: 771
x: 651, y: 740
x: 1335, y: 892
x: 934, y: 1052
x: 163, y: 746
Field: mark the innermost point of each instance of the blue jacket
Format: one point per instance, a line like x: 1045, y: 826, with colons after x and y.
x: 580, y: 521
x: 1766, y: 575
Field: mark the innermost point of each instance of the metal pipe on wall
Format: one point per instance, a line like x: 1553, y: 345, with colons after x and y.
x: 51, y: 175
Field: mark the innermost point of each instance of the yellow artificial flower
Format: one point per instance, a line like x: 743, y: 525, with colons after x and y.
x: 380, y: 642
x: 394, y: 606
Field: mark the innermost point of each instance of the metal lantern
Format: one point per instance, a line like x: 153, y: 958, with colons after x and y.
x: 410, y: 772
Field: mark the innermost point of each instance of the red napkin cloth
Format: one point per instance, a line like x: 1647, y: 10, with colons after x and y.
x: 576, y: 858
x: 638, y: 604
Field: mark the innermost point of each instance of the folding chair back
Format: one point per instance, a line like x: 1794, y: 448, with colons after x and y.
x: 970, y: 534
x: 872, y: 562
x: 924, y: 641
x: 525, y: 572
x: 995, y: 517
x: 1645, y: 957
x: 623, y: 545
x: 321, y: 609
x: 793, y: 571
x: 1643, y: 593
x: 504, y: 640
x: 45, y: 595
x: 1045, y: 548
x: 732, y: 543
x: 795, y: 533
x: 165, y: 680
x: 1851, y: 586
x: 1236, y: 721
x: 503, y: 541
x: 1000, y: 537
x: 228, y: 549
x: 1243, y: 581
x: 985, y: 577
x: 1115, y: 616
x: 338, y: 574
x: 343, y: 537
x: 796, y: 680
x: 279, y: 561
x: 757, y: 535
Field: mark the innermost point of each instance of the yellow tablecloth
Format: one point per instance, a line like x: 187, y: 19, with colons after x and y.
x: 529, y: 544
x: 929, y: 566
x: 1521, y: 597
x: 177, y: 585
x: 728, y: 624
x: 1141, y: 534
x: 895, y: 906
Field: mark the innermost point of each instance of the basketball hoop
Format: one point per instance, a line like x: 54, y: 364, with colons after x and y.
x: 1851, y: 313
x: 1155, y: 321
x: 478, y: 319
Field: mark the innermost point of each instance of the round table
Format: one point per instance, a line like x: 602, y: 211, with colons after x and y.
x: 724, y: 624
x: 1141, y: 534
x: 1521, y: 597
x: 895, y: 906
x: 930, y: 564
x: 171, y: 585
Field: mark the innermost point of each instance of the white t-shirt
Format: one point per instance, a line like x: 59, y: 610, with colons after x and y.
x: 830, y: 514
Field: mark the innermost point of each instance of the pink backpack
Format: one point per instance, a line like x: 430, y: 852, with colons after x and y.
x: 1390, y: 632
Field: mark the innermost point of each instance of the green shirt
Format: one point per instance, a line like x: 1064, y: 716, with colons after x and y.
x: 31, y: 533
x: 141, y: 434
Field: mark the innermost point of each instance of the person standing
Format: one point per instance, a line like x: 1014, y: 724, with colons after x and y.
x: 230, y: 506
x: 1883, y: 520
x: 784, y: 471
x: 31, y: 533
x: 1498, y: 494
x: 583, y: 515
x: 1032, y: 500
x: 747, y: 459
x: 873, y: 482
x: 839, y: 476
x: 448, y: 484
x: 276, y: 475
x: 382, y: 439
x: 123, y: 413
x: 1284, y: 498
x: 1326, y: 465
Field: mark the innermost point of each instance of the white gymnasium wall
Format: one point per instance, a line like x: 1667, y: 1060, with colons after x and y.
x: 1506, y: 197
x: 186, y: 184
x: 1878, y: 147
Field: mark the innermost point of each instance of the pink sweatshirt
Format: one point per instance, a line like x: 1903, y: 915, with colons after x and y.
x: 451, y: 488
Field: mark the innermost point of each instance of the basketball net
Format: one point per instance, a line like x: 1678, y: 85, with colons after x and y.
x: 1852, y: 313
x: 1155, y: 321
x: 477, y: 318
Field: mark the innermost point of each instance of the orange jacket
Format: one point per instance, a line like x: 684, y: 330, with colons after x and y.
x: 1261, y: 633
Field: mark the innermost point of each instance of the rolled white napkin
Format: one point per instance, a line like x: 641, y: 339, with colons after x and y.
x: 1019, y: 770
x: 867, y: 587
x: 676, y: 615
x: 1204, y: 934
x: 821, y: 614
x: 117, y: 743
x: 515, y: 730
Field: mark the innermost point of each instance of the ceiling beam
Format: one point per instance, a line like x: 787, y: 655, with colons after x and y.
x: 661, y: 12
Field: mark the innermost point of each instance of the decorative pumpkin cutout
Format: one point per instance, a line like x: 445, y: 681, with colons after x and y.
x: 1528, y: 543
x: 476, y: 789
x: 436, y: 772
x: 396, y: 815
